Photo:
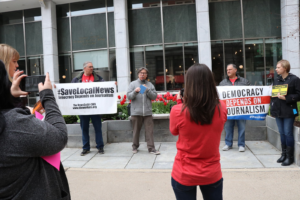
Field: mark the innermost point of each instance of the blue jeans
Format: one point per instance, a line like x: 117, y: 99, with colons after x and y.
x: 209, y: 192
x: 229, y: 128
x: 285, y: 127
x: 85, y: 125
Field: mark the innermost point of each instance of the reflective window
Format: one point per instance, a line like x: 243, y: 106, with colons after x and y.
x: 255, y: 61
x: 190, y: 54
x: 110, y: 5
x: 145, y: 26
x: 180, y: 24
x: 137, y: 60
x: 225, y: 20
x: 34, y: 38
x: 218, y: 68
x: 62, y: 10
x: 172, y: 2
x: 13, y: 35
x: 22, y: 66
x: 87, y: 7
x: 65, y: 71
x: 98, y: 58
x: 273, y: 55
x: 63, y: 34
x: 112, y: 65
x: 33, y: 15
x: 35, y: 66
x: 111, y: 29
x: 262, y: 18
x: 11, y: 17
x: 135, y: 4
x: 234, y: 55
x: 155, y: 66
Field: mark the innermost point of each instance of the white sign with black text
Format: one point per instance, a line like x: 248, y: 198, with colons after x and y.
x: 86, y: 98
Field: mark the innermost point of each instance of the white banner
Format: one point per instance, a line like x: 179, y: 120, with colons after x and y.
x: 246, y: 102
x: 86, y: 98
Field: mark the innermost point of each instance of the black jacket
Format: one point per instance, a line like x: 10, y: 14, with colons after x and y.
x: 286, y: 108
x: 239, y: 81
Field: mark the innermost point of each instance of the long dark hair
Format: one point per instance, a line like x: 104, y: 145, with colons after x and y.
x: 200, y: 94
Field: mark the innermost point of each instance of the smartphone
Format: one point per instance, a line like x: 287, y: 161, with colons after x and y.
x: 30, y: 83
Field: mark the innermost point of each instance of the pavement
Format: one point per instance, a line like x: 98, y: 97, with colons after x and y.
x: 120, y: 175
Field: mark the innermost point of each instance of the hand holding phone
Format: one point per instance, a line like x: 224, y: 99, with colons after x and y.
x: 46, y: 85
x: 15, y: 87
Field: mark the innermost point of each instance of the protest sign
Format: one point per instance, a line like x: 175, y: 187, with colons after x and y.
x: 246, y: 102
x: 282, y: 89
x: 86, y: 98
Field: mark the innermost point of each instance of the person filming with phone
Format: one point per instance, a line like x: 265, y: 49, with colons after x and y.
x: 141, y: 92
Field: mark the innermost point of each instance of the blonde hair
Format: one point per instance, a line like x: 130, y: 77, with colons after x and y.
x: 285, y: 64
x: 7, y: 53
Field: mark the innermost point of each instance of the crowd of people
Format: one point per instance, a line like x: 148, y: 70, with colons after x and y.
x: 198, y: 120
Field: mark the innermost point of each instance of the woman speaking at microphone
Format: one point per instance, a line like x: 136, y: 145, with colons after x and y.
x: 198, y: 122
x: 284, y: 109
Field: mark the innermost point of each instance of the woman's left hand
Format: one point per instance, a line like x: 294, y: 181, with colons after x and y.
x: 281, y: 97
x: 15, y: 87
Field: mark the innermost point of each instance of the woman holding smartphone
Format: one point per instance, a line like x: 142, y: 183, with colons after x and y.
x: 284, y: 109
x: 198, y: 122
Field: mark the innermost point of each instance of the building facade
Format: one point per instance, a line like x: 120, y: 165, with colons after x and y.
x: 167, y: 37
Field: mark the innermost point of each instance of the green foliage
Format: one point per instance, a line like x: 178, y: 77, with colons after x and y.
x: 70, y: 119
x: 160, y: 108
x: 298, y: 118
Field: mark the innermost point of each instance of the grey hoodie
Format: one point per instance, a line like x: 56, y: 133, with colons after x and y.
x: 23, y: 173
x: 141, y: 104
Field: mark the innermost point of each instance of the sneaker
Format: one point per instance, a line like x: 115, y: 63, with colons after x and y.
x: 134, y: 151
x: 101, y: 151
x: 241, y: 149
x: 155, y: 152
x: 226, y: 148
x: 84, y: 152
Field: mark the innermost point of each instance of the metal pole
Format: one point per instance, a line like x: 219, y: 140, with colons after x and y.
x: 71, y: 45
x: 163, y: 41
x: 265, y: 62
x: 224, y: 64
x: 25, y: 52
x: 107, y: 42
x: 243, y: 33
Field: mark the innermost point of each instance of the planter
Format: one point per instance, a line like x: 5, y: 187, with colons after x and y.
x: 274, y: 137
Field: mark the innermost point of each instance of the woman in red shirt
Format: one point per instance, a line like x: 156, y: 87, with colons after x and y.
x: 198, y: 122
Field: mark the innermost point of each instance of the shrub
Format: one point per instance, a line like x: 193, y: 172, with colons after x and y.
x: 70, y: 119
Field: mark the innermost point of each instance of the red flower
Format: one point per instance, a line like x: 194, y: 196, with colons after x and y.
x: 175, y: 98
x: 161, y: 99
x: 125, y: 96
x: 165, y: 103
x: 130, y: 101
x: 119, y: 97
x: 152, y: 100
x: 122, y: 103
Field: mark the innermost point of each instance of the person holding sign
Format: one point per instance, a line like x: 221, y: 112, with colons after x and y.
x: 141, y: 92
x: 24, y: 140
x: 86, y: 76
x: 198, y: 122
x: 284, y: 109
x: 233, y: 79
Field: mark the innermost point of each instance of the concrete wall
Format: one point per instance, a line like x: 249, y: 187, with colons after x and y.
x: 273, y: 137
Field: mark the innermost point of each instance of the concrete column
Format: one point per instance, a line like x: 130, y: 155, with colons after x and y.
x: 203, y: 32
x: 50, y: 40
x: 122, y: 45
x: 290, y: 33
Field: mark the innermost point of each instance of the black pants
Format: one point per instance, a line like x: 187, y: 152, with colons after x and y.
x: 209, y: 192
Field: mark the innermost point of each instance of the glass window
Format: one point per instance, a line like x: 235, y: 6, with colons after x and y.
x: 171, y: 3
x: 155, y: 66
x: 145, y: 26
x: 234, y: 55
x: 180, y: 23
x: 34, y: 38
x: 217, y: 61
x: 273, y: 55
x: 136, y: 61
x: 111, y: 29
x: 87, y: 7
x: 89, y: 32
x: 112, y: 65
x: 33, y: 15
x: 13, y: 36
x: 262, y: 18
x: 225, y: 20
x: 134, y: 4
x: 35, y: 66
x: 174, y: 67
x: 62, y: 10
x: 110, y: 5
x: 65, y: 69
x: 11, y: 17
x: 255, y: 61
x: 98, y: 58
x: 190, y: 54
x: 63, y: 34
x: 22, y: 66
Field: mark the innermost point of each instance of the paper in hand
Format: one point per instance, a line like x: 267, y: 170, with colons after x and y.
x: 143, y: 89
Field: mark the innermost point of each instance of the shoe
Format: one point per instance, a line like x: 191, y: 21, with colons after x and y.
x: 134, y: 151
x: 101, y: 151
x: 283, y: 154
x: 155, y: 152
x: 226, y: 148
x: 84, y: 152
x: 241, y: 149
x: 289, y: 156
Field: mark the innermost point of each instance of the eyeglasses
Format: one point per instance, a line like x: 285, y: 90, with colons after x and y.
x: 143, y: 72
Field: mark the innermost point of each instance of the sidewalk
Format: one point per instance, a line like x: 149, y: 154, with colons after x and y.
x: 258, y: 154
